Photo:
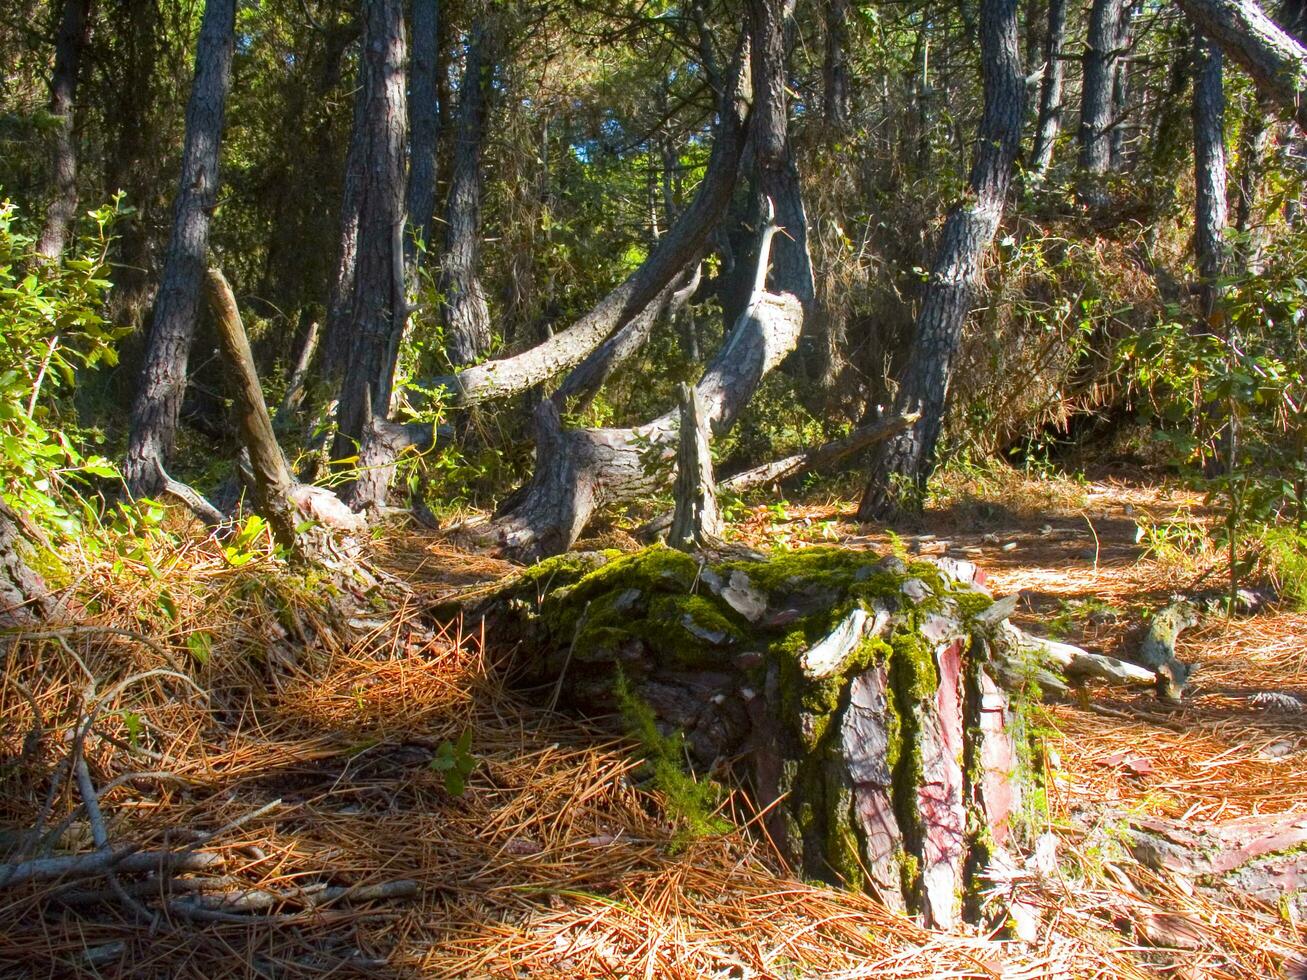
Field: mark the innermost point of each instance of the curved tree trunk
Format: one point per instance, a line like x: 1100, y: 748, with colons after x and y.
x: 74, y: 32
x: 1274, y: 59
x: 163, y: 380
x: 677, y: 249
x: 1209, y: 173
x: 902, y: 465
x: 424, y: 116
x: 1109, y: 31
x: 376, y: 303
x: 464, y: 314
x: 1049, y: 123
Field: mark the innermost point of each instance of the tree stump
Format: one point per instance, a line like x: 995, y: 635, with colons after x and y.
x: 851, y: 692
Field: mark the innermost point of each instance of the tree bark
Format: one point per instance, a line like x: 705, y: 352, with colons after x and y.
x: 1276, y: 62
x: 1049, y: 123
x: 74, y: 32
x: 901, y: 466
x: 697, y: 520
x: 336, y: 346
x: 678, y: 248
x: 424, y: 112
x: 163, y: 381
x: 272, y: 478
x: 1254, y: 139
x: 837, y: 99
x: 1109, y: 32
x: 24, y: 597
x: 464, y: 315
x: 778, y: 174
x: 377, y: 308
x: 1209, y: 173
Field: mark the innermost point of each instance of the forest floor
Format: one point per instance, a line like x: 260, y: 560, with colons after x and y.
x: 307, y: 763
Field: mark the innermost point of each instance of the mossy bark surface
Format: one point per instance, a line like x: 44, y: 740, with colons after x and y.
x: 848, y: 689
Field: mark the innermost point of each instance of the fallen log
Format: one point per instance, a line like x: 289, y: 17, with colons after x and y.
x: 850, y: 692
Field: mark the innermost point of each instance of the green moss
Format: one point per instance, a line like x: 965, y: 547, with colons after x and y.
x: 971, y: 603
x: 805, y: 570
x: 843, y: 840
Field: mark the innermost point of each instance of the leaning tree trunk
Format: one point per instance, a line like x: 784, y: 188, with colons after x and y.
x: 579, y: 470
x: 464, y: 314
x: 902, y: 465
x: 24, y: 597
x: 163, y: 380
x: 424, y: 112
x: 1049, y: 123
x: 679, y: 248
x: 1109, y: 27
x: 1209, y: 173
x: 1274, y: 59
x: 74, y: 32
x: 377, y: 307
x: 853, y: 695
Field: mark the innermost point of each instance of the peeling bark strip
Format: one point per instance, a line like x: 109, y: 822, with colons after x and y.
x: 1276, y: 61
x: 697, y: 521
x: 840, y: 682
x: 74, y: 32
x: 903, y: 464
x: 675, y: 251
x: 163, y: 380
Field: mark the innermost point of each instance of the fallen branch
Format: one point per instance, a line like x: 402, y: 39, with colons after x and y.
x: 126, y: 859
x: 821, y: 458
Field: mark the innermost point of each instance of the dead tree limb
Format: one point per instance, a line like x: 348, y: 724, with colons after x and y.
x: 294, y: 395
x: 697, y: 521
x: 822, y: 458
x: 676, y: 250
x: 272, y: 478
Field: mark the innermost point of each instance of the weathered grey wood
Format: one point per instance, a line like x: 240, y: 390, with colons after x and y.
x: 163, y: 380
x: 272, y: 477
x: 676, y: 250
x: 697, y: 520
x: 299, y: 375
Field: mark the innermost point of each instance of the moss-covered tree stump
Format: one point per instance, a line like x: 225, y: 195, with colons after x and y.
x: 851, y: 690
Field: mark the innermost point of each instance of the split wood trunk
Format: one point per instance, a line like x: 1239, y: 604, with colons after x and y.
x: 697, y: 520
x: 853, y: 694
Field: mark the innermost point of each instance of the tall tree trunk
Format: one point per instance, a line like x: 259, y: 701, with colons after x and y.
x: 1120, y: 107
x: 901, y: 466
x: 1049, y: 123
x: 1209, y: 172
x: 74, y: 32
x: 424, y: 113
x: 1109, y: 26
x: 376, y: 304
x: 837, y: 99
x: 464, y: 315
x: 129, y: 118
x: 338, y: 339
x: 1275, y: 60
x: 163, y: 381
x: 778, y: 176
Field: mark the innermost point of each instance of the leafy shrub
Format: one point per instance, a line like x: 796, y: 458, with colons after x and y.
x: 52, y: 327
